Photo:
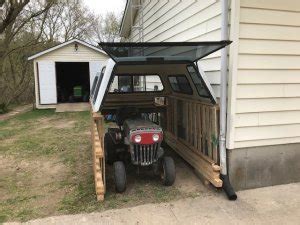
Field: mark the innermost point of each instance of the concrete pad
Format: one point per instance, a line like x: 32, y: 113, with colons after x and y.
x: 269, y: 205
x: 73, y: 107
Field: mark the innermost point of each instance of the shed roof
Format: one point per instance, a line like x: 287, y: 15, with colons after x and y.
x: 64, y: 44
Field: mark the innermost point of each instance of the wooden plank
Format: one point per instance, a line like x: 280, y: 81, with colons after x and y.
x: 190, y: 136
x: 199, y: 128
x: 215, y: 134
x: 209, y: 133
x: 203, y: 129
x: 205, y: 168
x: 97, y: 131
x: 184, y: 99
x: 185, y: 117
x: 195, y: 113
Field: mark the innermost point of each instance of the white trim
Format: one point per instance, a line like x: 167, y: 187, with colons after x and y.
x: 64, y: 44
x: 233, y: 72
x: 36, y: 85
x: 103, y: 85
x: 124, y: 19
x: 125, y: 29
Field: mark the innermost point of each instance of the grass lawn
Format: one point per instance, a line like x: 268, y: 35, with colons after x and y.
x: 46, y: 170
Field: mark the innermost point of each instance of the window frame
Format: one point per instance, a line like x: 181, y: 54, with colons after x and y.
x: 97, y: 88
x: 180, y: 92
x: 210, y: 94
x: 95, y: 81
x: 132, y: 84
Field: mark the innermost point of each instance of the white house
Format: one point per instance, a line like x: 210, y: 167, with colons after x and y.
x: 60, y: 69
x: 263, y: 111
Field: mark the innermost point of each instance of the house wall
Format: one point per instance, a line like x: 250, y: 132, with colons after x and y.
x: 263, y: 130
x: 264, y: 93
x: 187, y: 20
x: 267, y: 95
x: 266, y: 104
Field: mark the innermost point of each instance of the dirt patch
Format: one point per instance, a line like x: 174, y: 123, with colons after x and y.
x: 45, y: 123
x: 31, y: 184
x: 49, y: 172
x: 64, y: 124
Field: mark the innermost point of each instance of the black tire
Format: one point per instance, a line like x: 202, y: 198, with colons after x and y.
x: 109, y: 148
x: 168, y: 173
x: 119, y: 176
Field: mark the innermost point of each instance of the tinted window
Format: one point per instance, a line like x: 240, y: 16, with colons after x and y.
x: 199, y: 83
x: 125, y: 84
x: 180, y: 84
x: 136, y: 83
x: 94, y: 84
x: 98, y: 85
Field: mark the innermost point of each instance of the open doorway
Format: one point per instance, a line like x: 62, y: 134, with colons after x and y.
x: 73, y: 82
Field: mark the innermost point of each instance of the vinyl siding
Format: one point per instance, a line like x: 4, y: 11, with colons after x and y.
x: 188, y: 20
x: 266, y: 100
x: 267, y: 110
x: 68, y: 54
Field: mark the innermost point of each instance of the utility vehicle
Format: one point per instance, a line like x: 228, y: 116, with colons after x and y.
x: 137, y: 140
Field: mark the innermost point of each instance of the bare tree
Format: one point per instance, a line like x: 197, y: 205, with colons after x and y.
x: 67, y: 20
x: 106, y: 28
x: 16, y: 16
x: 19, y: 38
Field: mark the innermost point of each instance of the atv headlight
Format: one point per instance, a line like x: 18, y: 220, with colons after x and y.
x: 155, y: 137
x: 137, y: 138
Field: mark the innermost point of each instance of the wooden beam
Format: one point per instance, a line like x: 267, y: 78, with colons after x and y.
x: 208, y: 169
x: 98, y: 154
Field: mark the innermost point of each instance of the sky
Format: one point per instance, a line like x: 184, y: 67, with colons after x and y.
x: 101, y: 7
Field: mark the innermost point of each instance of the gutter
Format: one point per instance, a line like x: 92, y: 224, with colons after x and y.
x: 223, y: 105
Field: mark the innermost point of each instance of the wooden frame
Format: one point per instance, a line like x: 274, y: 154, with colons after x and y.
x: 190, y: 127
x: 97, y: 131
x: 200, y: 147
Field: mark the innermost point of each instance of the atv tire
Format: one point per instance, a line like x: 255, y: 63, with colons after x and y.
x: 109, y: 148
x: 168, y: 173
x: 119, y: 176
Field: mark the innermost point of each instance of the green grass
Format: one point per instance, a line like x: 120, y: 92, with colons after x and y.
x: 46, y: 170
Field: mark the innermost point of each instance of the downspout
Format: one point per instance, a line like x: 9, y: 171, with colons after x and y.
x: 223, y: 105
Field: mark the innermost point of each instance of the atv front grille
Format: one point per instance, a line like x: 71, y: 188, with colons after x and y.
x: 144, y: 155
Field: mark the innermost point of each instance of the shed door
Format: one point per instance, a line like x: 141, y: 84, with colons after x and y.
x: 47, y: 82
x: 95, y: 67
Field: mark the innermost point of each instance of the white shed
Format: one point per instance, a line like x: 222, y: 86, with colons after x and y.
x: 64, y: 73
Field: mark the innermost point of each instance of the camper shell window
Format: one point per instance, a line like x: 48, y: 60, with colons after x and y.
x: 98, y: 85
x: 199, y: 83
x: 94, y: 84
x: 180, y: 84
x: 136, y: 84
